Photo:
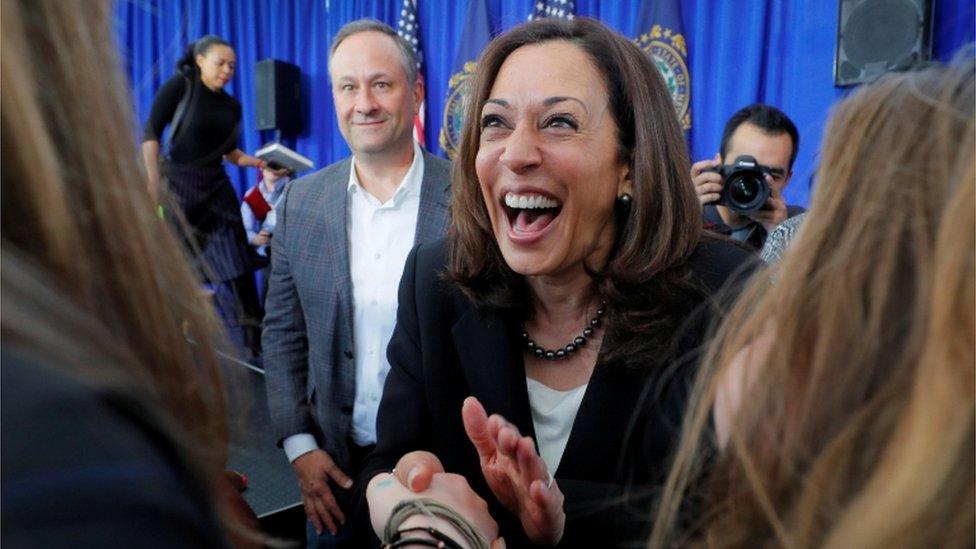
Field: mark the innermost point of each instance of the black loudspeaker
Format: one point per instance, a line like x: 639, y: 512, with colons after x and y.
x: 876, y: 36
x: 277, y: 96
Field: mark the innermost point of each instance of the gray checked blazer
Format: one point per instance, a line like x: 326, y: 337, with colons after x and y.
x: 307, y: 338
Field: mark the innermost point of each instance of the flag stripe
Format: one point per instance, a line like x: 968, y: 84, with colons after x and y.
x: 407, y: 27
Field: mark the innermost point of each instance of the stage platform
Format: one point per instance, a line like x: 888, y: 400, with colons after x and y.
x: 272, y: 489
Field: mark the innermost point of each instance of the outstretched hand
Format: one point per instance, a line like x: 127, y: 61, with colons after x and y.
x: 515, y: 473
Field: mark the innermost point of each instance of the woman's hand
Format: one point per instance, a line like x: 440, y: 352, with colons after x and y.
x: 150, y: 157
x: 516, y: 474
x: 420, y: 474
x: 245, y: 160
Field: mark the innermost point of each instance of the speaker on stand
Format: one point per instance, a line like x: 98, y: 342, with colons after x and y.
x: 877, y: 36
x: 277, y: 97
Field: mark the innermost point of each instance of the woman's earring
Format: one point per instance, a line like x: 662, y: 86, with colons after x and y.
x: 624, y: 200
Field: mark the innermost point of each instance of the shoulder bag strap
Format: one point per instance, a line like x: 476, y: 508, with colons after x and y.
x: 179, y: 117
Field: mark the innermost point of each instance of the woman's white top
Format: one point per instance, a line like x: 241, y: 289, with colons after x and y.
x: 553, y: 413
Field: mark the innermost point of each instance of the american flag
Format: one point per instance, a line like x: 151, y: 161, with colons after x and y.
x: 560, y: 9
x: 408, y: 30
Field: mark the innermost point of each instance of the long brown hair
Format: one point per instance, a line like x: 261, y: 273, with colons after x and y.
x: 858, y: 430
x: 644, y: 280
x: 93, y: 282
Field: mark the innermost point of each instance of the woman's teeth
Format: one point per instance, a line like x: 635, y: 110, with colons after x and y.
x: 529, y: 202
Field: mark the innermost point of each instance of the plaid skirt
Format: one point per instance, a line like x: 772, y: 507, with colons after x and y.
x: 207, y: 201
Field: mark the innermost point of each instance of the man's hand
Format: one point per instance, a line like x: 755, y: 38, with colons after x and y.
x: 314, y: 470
x: 516, y: 474
x: 263, y: 238
x: 773, y: 211
x: 708, y: 183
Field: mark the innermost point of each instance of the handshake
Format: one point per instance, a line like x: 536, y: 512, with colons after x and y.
x: 418, y: 500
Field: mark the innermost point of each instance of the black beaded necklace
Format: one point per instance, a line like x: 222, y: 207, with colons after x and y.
x: 563, y: 352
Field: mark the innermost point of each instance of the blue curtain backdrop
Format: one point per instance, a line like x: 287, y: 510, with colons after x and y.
x: 775, y: 51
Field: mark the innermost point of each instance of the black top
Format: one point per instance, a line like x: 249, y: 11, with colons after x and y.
x: 85, y: 467
x: 444, y: 349
x: 208, y: 122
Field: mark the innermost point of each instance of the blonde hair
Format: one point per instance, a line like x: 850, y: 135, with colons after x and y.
x: 93, y: 282
x: 858, y: 430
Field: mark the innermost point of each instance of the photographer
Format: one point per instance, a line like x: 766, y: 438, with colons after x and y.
x: 769, y: 137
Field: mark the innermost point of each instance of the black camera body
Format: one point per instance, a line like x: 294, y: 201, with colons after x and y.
x: 744, y: 187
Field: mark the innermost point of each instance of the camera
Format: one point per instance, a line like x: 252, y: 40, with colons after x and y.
x: 744, y: 187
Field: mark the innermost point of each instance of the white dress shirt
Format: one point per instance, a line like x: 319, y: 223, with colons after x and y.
x: 381, y: 236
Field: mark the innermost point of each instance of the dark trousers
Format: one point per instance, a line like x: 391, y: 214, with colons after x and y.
x: 265, y: 275
x: 237, y: 302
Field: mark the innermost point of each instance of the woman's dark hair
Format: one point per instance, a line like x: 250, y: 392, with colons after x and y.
x: 645, y: 279
x: 187, y: 63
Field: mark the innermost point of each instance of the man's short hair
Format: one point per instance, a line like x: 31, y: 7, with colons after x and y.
x: 767, y: 118
x: 407, y: 53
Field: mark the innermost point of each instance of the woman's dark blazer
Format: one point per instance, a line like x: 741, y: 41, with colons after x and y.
x: 444, y: 349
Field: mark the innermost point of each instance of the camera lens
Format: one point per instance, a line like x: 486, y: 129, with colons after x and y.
x: 746, y: 192
x: 743, y: 190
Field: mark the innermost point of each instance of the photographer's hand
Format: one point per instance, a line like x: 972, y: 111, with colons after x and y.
x: 773, y: 211
x: 708, y: 183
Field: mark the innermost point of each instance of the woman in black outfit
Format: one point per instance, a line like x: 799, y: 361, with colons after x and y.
x: 205, y: 124
x: 544, y: 350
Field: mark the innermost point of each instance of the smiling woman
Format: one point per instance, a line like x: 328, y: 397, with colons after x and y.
x: 531, y: 116
x: 614, y: 166
x: 569, y: 299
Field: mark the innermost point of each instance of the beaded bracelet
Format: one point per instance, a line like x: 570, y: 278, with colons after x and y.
x: 441, y: 540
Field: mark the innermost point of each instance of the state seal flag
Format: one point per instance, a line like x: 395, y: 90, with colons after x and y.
x: 560, y: 9
x: 408, y: 30
x: 661, y: 38
x: 474, y: 37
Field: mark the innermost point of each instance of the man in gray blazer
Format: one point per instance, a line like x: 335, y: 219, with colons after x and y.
x: 342, y: 237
